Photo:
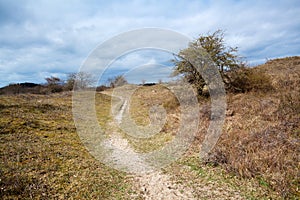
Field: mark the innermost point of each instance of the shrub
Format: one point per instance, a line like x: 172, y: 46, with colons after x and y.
x: 249, y: 79
x: 101, y: 88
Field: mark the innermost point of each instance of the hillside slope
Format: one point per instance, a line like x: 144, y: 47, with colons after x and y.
x: 262, y: 133
x: 260, y: 140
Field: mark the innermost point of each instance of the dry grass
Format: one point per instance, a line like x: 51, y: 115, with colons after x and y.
x: 41, y: 155
x: 207, y: 182
x: 260, y: 144
x: 103, y: 105
x: 146, y: 97
x: 258, y: 154
x: 261, y: 138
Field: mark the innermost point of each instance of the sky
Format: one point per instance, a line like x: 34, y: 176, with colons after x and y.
x: 44, y: 38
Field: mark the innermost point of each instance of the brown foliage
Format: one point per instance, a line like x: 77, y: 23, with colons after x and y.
x: 249, y: 79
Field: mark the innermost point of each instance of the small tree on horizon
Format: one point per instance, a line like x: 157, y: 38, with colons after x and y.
x: 53, y: 80
x: 80, y: 80
x: 54, y: 84
x: 117, y: 81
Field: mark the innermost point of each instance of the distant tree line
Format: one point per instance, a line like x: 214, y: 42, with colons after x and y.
x: 77, y: 81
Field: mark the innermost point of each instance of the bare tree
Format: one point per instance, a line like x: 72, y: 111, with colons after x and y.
x: 80, y: 80
x: 54, y: 84
x: 117, y: 81
x: 53, y: 80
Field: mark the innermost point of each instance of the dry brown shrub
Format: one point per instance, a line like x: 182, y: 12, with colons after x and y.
x: 249, y: 79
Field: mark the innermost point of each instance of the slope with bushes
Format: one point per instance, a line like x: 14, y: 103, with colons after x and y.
x: 261, y: 133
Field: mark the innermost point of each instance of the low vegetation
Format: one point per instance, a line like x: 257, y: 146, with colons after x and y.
x: 42, y: 156
x: 260, y: 140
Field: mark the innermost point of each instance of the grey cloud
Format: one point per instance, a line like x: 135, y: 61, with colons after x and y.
x: 55, y: 36
x: 12, y: 12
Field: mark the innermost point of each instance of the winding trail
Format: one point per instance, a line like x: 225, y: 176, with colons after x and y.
x: 152, y: 183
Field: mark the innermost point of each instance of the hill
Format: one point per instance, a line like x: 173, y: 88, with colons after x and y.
x: 260, y: 139
x: 262, y: 134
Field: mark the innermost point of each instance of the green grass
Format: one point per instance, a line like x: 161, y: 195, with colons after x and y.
x: 196, y: 174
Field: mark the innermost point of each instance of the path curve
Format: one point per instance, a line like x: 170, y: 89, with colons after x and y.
x: 152, y: 183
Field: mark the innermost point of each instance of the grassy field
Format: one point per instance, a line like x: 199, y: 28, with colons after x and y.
x: 42, y: 157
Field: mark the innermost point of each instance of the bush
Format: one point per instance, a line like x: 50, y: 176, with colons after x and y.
x: 249, y: 79
x: 101, y: 88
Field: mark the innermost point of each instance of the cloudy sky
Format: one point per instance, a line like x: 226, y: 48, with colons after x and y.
x: 46, y: 38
